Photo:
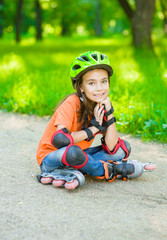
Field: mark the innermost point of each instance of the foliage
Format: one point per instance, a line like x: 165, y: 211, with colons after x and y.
x: 34, y: 77
x: 77, y: 16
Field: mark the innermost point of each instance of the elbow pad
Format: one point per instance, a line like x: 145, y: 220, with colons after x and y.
x: 61, y: 138
x: 121, y: 143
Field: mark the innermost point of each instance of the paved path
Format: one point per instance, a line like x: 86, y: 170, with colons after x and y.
x: 136, y: 209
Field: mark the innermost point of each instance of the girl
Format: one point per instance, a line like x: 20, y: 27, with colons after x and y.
x: 67, y: 139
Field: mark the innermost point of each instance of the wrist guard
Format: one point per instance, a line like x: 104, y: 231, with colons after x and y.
x: 94, y: 123
x: 61, y: 138
x: 89, y: 133
x: 109, y: 122
x: 109, y: 112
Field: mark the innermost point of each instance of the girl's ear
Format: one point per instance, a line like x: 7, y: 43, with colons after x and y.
x: 81, y: 89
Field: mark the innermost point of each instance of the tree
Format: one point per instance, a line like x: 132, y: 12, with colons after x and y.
x: 38, y: 20
x: 164, y: 10
x: 91, y: 16
x: 98, y: 24
x: 66, y: 14
x: 18, y: 20
x: 1, y: 18
x: 141, y: 20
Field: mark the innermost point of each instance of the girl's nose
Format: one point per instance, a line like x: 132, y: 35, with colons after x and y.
x: 98, y: 86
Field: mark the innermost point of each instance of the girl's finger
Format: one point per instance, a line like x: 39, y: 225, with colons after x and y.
x: 96, y: 107
x: 101, y: 109
x: 102, y: 114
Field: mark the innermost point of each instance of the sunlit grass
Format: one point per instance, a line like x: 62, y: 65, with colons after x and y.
x: 35, y: 76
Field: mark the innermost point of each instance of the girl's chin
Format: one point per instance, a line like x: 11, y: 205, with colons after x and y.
x: 98, y: 100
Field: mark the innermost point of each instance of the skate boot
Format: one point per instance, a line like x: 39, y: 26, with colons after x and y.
x: 125, y: 169
x: 68, y: 177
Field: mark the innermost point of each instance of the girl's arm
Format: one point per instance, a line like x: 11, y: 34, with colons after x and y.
x: 79, y: 135
x: 111, y: 135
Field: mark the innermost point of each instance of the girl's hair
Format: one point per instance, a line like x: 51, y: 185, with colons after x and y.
x: 87, y: 106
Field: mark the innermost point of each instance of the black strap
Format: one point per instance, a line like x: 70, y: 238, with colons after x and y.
x: 111, y: 121
x: 109, y: 112
x: 65, y: 130
x: 89, y: 133
x: 124, y: 169
x: 96, y: 124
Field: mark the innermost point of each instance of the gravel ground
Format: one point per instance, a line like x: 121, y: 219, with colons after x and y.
x: 134, y: 209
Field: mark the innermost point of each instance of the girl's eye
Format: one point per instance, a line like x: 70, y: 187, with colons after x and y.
x: 105, y: 81
x: 91, y: 83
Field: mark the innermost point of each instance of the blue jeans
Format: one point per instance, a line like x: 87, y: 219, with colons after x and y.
x: 93, y: 167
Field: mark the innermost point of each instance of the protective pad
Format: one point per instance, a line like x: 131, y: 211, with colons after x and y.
x: 61, y: 138
x: 121, y: 143
x: 74, y: 157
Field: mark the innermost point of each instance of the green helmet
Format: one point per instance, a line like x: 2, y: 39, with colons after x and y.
x: 88, y: 61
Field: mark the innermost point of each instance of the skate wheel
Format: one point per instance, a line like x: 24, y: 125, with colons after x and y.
x: 46, y: 180
x: 58, y: 183
x: 71, y: 185
x: 150, y: 167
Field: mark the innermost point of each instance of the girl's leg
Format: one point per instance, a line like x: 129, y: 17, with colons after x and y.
x: 103, y: 155
x: 93, y: 167
x: 54, y: 161
x: 51, y: 162
x: 96, y: 157
x: 106, y: 168
x: 124, y: 168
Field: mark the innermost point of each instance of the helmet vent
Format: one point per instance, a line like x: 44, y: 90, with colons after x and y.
x: 94, y: 56
x: 76, y: 66
x: 102, y: 56
x: 85, y: 58
x: 80, y: 59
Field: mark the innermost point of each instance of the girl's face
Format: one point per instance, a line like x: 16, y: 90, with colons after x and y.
x: 95, y: 85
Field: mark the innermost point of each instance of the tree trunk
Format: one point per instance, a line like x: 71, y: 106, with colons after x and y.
x: 164, y: 10
x: 1, y: 18
x: 64, y: 26
x: 165, y: 25
x: 98, y: 25
x: 38, y: 20
x: 141, y: 21
x: 18, y: 20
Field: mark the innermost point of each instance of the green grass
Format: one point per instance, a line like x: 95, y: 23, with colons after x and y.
x: 35, y: 76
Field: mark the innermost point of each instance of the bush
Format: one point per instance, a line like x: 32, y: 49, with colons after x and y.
x: 34, y: 77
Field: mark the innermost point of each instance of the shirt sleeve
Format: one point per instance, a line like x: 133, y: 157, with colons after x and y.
x: 65, y: 115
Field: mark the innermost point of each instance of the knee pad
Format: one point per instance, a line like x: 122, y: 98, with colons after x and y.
x: 61, y: 138
x: 74, y: 157
x: 121, y: 143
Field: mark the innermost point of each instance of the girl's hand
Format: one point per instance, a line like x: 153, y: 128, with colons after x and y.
x: 99, y: 113
x: 106, y: 103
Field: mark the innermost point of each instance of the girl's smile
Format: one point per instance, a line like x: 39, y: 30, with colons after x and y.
x: 95, y: 85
